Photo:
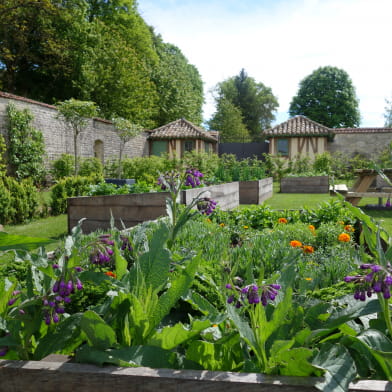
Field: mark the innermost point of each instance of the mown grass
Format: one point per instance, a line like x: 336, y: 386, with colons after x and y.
x: 55, y: 227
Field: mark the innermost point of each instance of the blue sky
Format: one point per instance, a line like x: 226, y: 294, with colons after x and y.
x: 279, y: 42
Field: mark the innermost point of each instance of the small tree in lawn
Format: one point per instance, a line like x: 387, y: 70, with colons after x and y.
x: 126, y: 131
x: 76, y: 114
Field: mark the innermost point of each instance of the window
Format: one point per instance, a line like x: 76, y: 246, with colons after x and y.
x: 282, y: 147
x: 159, y: 147
x: 188, y: 145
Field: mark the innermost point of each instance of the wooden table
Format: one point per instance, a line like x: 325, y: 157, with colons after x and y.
x: 361, y: 187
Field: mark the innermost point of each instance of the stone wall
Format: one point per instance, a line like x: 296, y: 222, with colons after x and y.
x: 369, y: 144
x: 59, y: 139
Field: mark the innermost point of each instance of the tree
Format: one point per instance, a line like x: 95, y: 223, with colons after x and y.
x: 126, y: 130
x: 255, y: 102
x: 388, y: 114
x: 76, y: 114
x: 228, y: 120
x: 26, y: 146
x: 327, y: 96
x: 179, y: 86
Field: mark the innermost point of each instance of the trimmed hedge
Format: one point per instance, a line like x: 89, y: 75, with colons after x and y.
x: 70, y: 187
x: 18, y: 200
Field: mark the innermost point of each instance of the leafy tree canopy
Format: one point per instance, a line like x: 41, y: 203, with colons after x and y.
x: 96, y: 50
x: 327, y: 96
x: 254, y: 101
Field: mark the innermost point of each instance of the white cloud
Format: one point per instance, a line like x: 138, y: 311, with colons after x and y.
x: 282, y: 41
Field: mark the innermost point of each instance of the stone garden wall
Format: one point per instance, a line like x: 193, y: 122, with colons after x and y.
x: 99, y: 138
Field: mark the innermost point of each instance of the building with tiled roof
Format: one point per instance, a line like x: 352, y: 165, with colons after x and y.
x: 180, y: 136
x: 302, y: 136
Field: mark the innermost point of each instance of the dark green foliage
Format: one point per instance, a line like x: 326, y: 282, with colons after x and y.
x: 91, y: 167
x: 63, y: 166
x: 70, y: 187
x: 327, y: 96
x: 18, y: 200
x: 26, y: 148
x: 254, y: 100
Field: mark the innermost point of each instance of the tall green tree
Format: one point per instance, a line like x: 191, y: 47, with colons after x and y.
x: 178, y: 84
x: 228, y: 120
x: 254, y: 100
x: 327, y: 96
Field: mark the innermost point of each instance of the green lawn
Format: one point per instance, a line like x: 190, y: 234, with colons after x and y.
x: 55, y: 227
x: 292, y: 201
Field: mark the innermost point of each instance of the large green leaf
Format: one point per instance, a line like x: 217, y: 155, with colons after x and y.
x: 153, y: 357
x: 120, y: 263
x: 214, y: 356
x: 64, y: 339
x: 99, y: 334
x: 179, y: 287
x: 12, y: 241
x: 339, y: 368
x: 242, y: 326
x: 172, y: 336
x: 153, y: 266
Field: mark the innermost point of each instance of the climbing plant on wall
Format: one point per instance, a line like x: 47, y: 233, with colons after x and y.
x: 26, y: 147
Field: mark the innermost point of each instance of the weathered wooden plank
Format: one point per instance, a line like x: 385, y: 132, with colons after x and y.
x: 45, y: 376
x: 369, y: 194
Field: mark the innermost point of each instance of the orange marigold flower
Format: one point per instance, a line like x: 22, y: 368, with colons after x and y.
x: 110, y: 273
x: 309, y: 279
x: 344, y: 237
x: 311, y: 227
x: 349, y: 228
x: 282, y: 220
x: 222, y: 224
x: 208, y: 220
x: 296, y: 244
x: 308, y: 249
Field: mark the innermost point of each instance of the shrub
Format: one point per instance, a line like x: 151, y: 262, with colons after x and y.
x: 63, y: 166
x: 26, y: 148
x: 90, y: 167
x: 18, y: 200
x: 70, y: 187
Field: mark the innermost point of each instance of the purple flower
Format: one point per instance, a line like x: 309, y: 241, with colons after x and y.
x: 206, y: 205
x: 229, y: 286
x: 12, y: 301
x: 78, y: 269
x: 3, y: 351
x: 55, y: 266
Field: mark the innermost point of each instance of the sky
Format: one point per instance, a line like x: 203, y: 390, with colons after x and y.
x: 280, y: 42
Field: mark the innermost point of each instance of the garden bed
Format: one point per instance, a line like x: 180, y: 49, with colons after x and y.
x: 48, y: 376
x: 312, y: 184
x: 132, y: 209
x: 255, y: 192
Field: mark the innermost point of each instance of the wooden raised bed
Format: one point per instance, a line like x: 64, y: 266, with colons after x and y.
x: 136, y: 208
x: 47, y: 376
x: 255, y: 192
x: 313, y: 184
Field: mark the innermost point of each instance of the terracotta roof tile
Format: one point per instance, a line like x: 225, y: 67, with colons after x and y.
x: 181, y: 129
x: 298, y: 126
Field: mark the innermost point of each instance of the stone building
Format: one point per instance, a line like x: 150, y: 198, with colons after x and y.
x: 99, y: 138
x: 304, y: 137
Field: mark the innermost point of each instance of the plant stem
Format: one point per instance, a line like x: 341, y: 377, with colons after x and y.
x: 386, y: 312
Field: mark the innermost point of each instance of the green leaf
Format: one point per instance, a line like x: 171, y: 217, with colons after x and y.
x: 153, y: 265
x: 214, y: 356
x: 153, y: 357
x: 243, y: 327
x: 120, y: 263
x: 179, y: 287
x: 204, y: 306
x: 12, y: 241
x: 171, y: 337
x: 64, y: 339
x: 99, y: 334
x: 339, y: 368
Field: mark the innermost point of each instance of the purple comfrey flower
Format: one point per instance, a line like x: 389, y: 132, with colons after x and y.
x: 206, y: 205
x: 78, y: 269
x: 126, y: 244
x: 55, y: 266
x: 378, y: 280
x: 229, y: 286
x: 12, y: 301
x: 3, y: 351
x: 192, y: 177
